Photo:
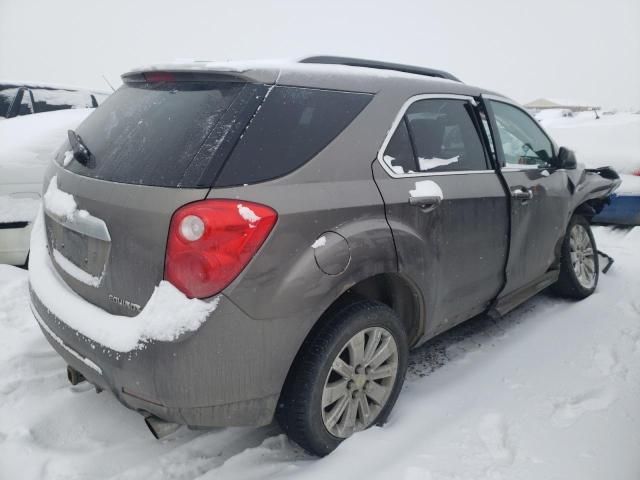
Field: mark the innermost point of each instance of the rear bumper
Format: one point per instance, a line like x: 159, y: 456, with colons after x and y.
x: 217, y: 376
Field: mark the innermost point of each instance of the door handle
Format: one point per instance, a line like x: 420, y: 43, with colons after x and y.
x: 523, y: 194
x: 426, y: 202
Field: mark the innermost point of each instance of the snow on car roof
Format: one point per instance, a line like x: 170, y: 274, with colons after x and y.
x: 34, y: 138
x: 278, y: 65
x: 314, y: 75
x: 54, y: 86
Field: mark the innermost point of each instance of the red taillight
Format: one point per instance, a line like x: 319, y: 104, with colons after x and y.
x: 159, y: 77
x: 211, y: 241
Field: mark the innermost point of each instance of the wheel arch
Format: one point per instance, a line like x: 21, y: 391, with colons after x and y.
x: 391, y: 289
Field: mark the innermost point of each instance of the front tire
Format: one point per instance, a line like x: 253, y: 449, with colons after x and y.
x: 579, y: 268
x: 346, y: 377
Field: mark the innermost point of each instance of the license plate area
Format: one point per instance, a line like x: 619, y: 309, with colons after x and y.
x: 88, y: 253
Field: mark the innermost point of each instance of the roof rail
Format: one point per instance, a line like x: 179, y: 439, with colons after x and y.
x: 360, y: 62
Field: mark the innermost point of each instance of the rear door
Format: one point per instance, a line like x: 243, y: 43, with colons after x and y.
x: 539, y: 194
x: 453, y: 249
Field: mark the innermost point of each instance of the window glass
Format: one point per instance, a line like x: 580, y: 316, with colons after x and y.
x: 149, y: 133
x: 487, y: 131
x: 291, y: 127
x: 26, y: 107
x: 523, y: 142
x: 444, y: 136
x: 47, y: 99
x: 399, y: 152
x: 6, y: 99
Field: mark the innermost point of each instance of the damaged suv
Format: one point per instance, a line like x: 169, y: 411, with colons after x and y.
x: 227, y: 244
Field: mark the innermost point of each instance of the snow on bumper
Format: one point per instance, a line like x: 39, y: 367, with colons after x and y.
x: 168, y: 314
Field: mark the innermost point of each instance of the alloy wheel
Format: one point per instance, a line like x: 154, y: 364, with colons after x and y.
x: 359, y: 382
x: 582, y: 256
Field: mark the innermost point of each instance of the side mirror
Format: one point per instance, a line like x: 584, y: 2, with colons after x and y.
x: 566, y: 159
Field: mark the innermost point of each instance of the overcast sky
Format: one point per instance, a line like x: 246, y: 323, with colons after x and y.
x: 587, y: 51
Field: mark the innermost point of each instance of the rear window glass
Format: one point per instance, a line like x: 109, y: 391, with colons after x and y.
x: 399, y: 153
x: 444, y: 135
x: 292, y: 126
x: 150, y: 133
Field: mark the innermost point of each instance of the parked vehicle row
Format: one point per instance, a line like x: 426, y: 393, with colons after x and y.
x: 19, y: 99
x: 222, y: 246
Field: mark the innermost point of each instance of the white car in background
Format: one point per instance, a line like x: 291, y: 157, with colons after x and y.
x: 27, y: 145
x: 26, y: 98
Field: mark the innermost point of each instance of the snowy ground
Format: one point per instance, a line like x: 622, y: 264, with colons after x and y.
x: 552, y: 391
x: 612, y: 140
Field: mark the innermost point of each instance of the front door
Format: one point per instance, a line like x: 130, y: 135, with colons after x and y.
x: 446, y: 206
x: 539, y: 194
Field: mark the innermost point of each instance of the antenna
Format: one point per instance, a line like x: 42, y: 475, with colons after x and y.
x: 108, y: 83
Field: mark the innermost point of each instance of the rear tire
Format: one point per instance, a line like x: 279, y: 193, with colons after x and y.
x: 579, y: 268
x: 346, y: 377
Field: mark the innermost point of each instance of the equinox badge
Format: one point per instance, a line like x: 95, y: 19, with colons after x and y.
x: 125, y: 303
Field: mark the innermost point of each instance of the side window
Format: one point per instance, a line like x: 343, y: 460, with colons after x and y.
x: 399, y: 152
x: 487, y: 131
x: 26, y: 106
x: 523, y: 142
x: 444, y: 136
x: 290, y: 128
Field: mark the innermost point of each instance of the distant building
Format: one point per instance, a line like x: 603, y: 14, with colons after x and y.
x: 545, y: 104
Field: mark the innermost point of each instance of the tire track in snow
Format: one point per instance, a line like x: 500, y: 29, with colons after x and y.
x: 568, y: 411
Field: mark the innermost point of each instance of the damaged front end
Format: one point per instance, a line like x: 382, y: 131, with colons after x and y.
x: 593, y: 193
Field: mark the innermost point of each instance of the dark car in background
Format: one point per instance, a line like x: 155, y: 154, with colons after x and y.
x: 17, y: 99
x: 328, y: 215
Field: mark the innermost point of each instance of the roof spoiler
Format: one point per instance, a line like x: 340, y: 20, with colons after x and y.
x: 360, y: 62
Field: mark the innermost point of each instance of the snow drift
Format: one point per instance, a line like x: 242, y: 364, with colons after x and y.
x: 34, y: 138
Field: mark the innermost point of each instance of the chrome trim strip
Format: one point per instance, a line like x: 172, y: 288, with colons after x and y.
x: 59, y: 341
x: 398, y: 119
x: 84, y: 224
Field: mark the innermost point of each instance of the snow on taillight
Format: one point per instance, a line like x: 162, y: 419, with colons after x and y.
x: 211, y: 241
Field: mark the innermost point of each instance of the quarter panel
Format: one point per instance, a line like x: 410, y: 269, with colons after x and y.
x: 284, y: 279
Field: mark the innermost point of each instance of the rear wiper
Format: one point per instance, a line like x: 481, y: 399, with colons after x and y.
x: 80, y: 151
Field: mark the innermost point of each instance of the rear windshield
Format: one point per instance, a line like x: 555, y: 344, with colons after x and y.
x: 196, y: 134
x: 150, y: 133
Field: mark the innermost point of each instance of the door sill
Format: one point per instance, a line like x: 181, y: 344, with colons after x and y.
x: 504, y: 305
